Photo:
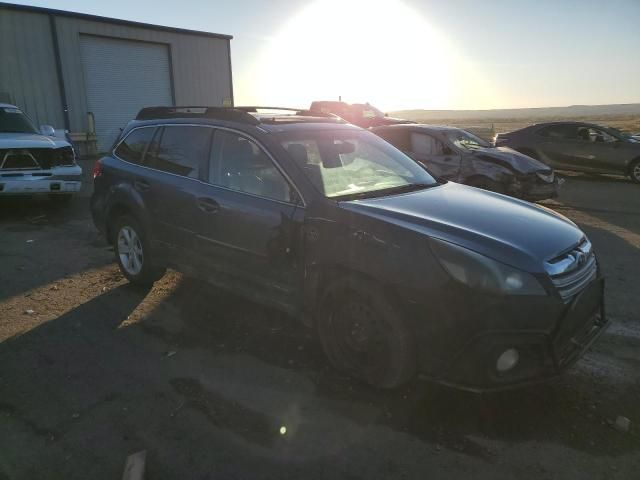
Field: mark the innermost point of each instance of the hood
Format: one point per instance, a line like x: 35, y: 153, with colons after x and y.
x: 30, y: 140
x: 516, y: 160
x: 511, y: 231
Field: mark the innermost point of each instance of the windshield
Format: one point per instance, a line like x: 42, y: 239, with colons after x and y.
x: 347, y: 163
x: 620, y: 135
x: 466, y: 140
x: 12, y: 120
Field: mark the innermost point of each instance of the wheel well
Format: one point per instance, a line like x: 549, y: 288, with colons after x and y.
x: 116, y: 211
x: 337, y: 276
x: 631, y: 164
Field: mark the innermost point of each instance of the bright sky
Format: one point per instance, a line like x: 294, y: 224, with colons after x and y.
x: 397, y: 54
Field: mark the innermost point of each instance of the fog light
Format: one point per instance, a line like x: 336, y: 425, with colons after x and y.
x: 507, y: 360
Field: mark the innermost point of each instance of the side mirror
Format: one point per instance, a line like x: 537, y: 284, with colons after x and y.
x: 47, y: 131
x: 447, y: 151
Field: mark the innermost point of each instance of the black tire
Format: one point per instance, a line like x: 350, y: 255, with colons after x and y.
x: 148, y: 272
x: 364, y: 335
x: 60, y: 198
x: 634, y: 171
x: 486, y: 184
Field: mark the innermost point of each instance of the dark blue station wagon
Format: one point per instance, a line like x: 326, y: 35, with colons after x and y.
x: 400, y: 274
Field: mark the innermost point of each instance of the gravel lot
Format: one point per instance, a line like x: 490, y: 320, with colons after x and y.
x: 92, y: 370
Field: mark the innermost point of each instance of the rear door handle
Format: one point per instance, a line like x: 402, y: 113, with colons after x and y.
x: 208, y: 205
x: 141, y: 185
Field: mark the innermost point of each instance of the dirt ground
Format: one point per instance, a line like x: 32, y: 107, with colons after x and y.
x: 214, y: 387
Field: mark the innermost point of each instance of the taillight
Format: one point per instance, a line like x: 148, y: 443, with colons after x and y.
x: 97, y: 169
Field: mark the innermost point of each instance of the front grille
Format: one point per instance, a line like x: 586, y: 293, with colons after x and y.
x: 35, y: 158
x: 573, y: 271
x: 18, y: 160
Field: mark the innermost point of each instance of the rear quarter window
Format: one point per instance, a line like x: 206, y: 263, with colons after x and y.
x: 399, y: 138
x: 133, y: 147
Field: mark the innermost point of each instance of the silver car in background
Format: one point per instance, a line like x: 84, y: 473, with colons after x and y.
x: 35, y: 161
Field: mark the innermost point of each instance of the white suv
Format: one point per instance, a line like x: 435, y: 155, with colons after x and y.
x: 33, y: 161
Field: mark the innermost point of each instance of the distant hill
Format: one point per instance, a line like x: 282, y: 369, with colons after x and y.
x: 573, y: 111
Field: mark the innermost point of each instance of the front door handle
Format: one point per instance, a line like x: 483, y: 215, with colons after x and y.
x: 208, y: 205
x: 141, y: 185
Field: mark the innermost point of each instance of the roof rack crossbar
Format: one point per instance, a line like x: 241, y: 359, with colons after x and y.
x: 198, y: 111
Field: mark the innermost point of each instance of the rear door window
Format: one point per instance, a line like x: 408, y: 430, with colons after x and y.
x: 133, y: 147
x: 181, y: 150
x: 426, y: 144
x: 560, y: 132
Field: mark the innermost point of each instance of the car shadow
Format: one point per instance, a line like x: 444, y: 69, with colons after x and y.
x: 562, y: 411
x: 160, y: 369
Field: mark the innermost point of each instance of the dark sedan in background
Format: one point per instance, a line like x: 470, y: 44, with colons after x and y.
x: 454, y: 154
x: 577, y: 146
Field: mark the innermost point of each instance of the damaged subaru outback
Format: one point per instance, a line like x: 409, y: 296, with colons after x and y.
x: 35, y: 162
x: 401, y: 275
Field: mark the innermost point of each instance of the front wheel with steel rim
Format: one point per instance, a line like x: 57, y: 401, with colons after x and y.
x: 363, y: 335
x: 133, y: 253
x: 634, y: 171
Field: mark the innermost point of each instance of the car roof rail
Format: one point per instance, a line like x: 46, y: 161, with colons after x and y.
x: 220, y: 113
x: 298, y: 111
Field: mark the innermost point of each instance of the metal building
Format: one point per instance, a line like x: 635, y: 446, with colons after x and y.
x: 90, y: 75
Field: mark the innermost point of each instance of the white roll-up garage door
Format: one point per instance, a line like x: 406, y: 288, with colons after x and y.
x: 123, y: 76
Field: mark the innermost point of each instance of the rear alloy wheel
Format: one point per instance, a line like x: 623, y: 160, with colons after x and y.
x: 133, y: 253
x: 634, y: 171
x: 130, y: 250
x: 363, y: 336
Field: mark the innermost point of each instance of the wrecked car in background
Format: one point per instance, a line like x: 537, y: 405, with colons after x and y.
x: 361, y: 114
x: 454, y: 154
x: 577, y: 146
x: 35, y: 162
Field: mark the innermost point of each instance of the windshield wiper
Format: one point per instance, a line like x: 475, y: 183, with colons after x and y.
x: 383, y: 192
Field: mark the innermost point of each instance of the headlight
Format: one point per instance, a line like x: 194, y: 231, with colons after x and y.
x: 64, y: 156
x: 546, y: 177
x: 483, y: 273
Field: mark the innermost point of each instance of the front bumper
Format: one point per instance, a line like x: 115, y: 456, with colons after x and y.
x: 536, y: 189
x: 57, y: 180
x: 543, y: 354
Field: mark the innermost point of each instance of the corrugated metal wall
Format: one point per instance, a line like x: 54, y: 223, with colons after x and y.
x: 200, y: 64
x: 27, y: 66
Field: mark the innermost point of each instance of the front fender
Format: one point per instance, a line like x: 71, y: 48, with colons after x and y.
x: 496, y: 171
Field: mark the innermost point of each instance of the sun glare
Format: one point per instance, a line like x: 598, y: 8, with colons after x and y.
x: 378, y: 51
